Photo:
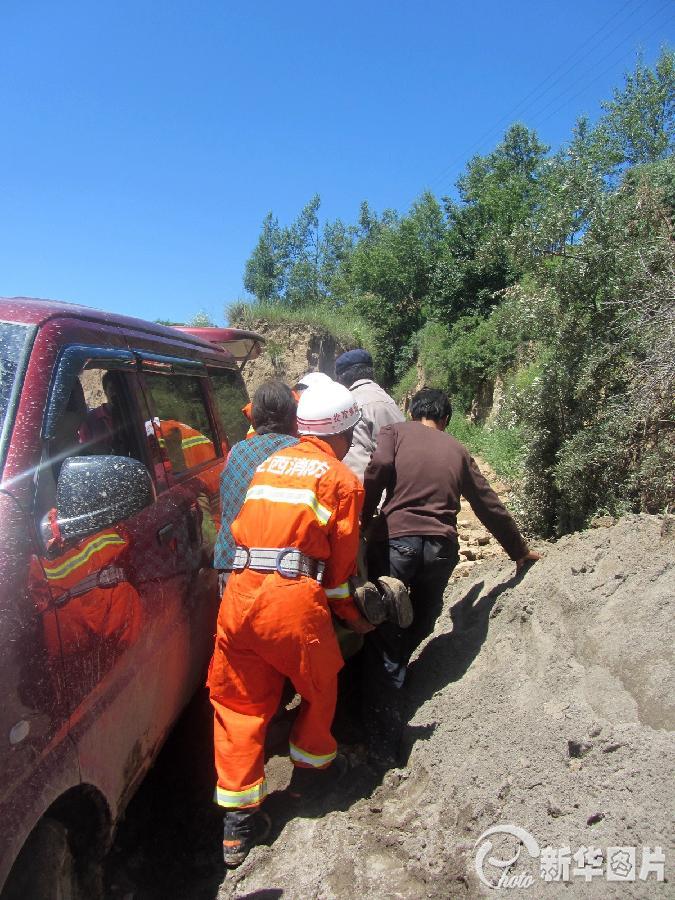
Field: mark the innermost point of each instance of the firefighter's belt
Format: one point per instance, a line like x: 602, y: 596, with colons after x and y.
x: 109, y: 577
x: 289, y: 562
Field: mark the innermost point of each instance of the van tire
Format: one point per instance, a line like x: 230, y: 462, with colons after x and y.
x: 46, y: 867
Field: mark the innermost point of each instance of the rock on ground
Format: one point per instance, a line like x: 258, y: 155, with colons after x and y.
x: 545, y: 702
x: 475, y: 541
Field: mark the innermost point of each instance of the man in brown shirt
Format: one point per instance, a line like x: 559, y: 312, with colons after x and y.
x: 424, y: 471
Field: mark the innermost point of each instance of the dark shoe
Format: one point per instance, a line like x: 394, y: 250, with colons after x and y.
x: 397, y: 601
x: 306, y: 784
x: 369, y: 601
x: 242, y: 831
x: 386, y: 601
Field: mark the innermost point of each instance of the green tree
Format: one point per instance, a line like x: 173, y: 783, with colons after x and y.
x: 301, y: 264
x: 639, y: 121
x: 201, y: 319
x: 498, y: 193
x: 265, y: 273
x: 390, y: 273
x: 572, y: 182
x: 303, y: 256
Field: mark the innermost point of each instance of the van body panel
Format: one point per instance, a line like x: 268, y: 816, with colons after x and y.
x: 104, y: 640
x: 37, y: 756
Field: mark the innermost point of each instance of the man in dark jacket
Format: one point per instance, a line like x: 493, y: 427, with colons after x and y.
x: 424, y: 471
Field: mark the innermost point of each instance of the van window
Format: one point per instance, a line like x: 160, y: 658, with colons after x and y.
x: 182, y: 418
x: 13, y: 339
x: 97, y: 419
x: 230, y: 396
x: 108, y: 426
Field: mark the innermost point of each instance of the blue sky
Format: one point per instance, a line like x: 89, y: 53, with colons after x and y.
x: 143, y: 141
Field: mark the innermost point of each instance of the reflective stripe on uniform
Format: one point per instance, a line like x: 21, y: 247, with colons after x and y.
x: 249, y: 797
x: 340, y: 592
x: 293, y: 496
x: 311, y: 759
x: 99, y: 543
x: 194, y: 441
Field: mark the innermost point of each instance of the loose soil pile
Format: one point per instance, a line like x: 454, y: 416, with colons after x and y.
x: 544, y: 702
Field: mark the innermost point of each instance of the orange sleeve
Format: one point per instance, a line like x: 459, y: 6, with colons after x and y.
x: 343, y: 537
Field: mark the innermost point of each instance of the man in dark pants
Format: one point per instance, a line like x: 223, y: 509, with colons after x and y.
x: 424, y: 471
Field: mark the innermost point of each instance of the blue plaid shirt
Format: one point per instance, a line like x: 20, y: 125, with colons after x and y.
x: 245, y: 458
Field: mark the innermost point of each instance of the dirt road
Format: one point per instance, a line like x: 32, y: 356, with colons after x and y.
x: 542, y: 702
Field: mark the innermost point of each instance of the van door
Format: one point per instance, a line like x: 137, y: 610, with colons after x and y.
x: 118, y: 593
x: 193, y: 457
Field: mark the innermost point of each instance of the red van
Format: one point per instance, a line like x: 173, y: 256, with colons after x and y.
x: 113, y: 435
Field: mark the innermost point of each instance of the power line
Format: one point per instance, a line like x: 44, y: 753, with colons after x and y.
x: 593, y: 80
x: 522, y: 104
x: 571, y: 62
x: 606, y: 56
x: 564, y: 68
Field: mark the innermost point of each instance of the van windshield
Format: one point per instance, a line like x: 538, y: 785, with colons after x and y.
x: 13, y: 339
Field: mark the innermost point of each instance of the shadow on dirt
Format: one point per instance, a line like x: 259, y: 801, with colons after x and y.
x: 448, y: 657
x: 168, y: 845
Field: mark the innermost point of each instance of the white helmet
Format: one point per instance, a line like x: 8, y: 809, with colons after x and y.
x: 327, y: 409
x: 313, y: 378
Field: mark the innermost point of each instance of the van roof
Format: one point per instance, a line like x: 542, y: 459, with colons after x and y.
x: 36, y: 311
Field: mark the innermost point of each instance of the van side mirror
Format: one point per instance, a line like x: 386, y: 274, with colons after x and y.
x: 94, y: 492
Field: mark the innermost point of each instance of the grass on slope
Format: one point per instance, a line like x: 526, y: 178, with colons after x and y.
x: 502, y: 448
x: 345, y: 327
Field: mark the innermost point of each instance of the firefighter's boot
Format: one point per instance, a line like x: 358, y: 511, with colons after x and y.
x: 243, y: 829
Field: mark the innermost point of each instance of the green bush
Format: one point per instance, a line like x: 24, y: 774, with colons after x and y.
x: 406, y: 385
x: 464, y: 360
x: 502, y: 448
x: 596, y: 417
x: 519, y: 392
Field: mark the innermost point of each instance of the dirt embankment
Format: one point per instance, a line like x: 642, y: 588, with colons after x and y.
x: 543, y: 702
x: 290, y: 352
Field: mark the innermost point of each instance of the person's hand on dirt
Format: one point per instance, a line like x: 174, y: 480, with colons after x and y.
x: 530, y: 557
x: 360, y: 625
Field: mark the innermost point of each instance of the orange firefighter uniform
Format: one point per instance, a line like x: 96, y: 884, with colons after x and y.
x: 248, y: 412
x: 97, y: 606
x: 185, y: 446
x: 271, y: 627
